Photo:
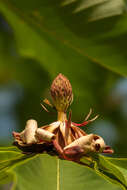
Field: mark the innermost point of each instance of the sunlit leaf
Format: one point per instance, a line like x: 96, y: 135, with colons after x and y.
x: 100, y: 8
x: 115, y: 166
x: 45, y: 172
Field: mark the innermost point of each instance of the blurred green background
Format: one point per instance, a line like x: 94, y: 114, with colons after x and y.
x: 83, y: 39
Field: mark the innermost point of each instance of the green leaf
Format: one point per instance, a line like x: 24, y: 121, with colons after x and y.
x: 102, y: 166
x: 117, y: 167
x: 8, y: 160
x: 100, y: 8
x: 9, y: 148
x: 43, y: 31
x: 8, y: 155
x: 121, y: 165
x: 47, y: 172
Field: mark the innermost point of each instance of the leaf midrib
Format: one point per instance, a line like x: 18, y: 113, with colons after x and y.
x: 58, y: 174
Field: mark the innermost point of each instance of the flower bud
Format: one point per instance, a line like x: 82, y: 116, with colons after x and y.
x: 61, y: 92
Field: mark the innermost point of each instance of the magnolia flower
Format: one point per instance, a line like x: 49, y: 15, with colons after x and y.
x: 63, y: 135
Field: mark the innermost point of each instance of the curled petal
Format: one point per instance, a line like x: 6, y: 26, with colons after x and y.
x: 44, y: 135
x: 58, y: 148
x: 90, y: 143
x: 52, y: 127
x: 22, y: 136
x: 28, y: 135
x: 74, y: 152
x: 83, y: 142
x: 108, y: 150
x: 98, y: 143
x: 78, y: 132
x: 16, y: 135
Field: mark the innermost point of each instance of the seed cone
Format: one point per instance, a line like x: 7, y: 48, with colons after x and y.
x: 61, y: 92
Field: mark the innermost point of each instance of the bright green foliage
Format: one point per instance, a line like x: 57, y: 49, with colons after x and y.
x: 42, y: 171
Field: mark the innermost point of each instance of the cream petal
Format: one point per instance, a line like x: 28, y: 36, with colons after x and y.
x: 22, y: 136
x: 29, y: 133
x: 90, y: 143
x: 66, y: 132
x: 82, y: 142
x: 52, y: 127
x: 45, y: 135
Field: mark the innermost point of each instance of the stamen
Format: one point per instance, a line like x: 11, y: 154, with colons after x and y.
x: 45, y: 108
x: 46, y: 101
x: 90, y: 112
x: 85, y: 122
x: 69, y: 119
x: 94, y: 118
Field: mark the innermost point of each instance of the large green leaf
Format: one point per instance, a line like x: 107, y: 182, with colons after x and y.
x: 117, y: 167
x: 100, y: 8
x: 45, y: 32
x: 43, y: 171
